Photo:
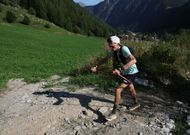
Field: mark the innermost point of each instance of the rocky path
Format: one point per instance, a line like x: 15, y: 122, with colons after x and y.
x: 31, y: 109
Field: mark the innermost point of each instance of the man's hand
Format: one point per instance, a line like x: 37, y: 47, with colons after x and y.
x: 116, y: 72
x: 94, y: 69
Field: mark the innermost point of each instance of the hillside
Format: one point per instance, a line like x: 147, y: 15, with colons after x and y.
x: 66, y: 14
x: 143, y: 15
x: 34, y: 52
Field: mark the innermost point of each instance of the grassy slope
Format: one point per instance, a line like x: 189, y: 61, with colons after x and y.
x: 38, y: 53
x: 34, y: 52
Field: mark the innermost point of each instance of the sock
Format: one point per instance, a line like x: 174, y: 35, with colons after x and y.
x: 135, y: 100
x: 115, y: 107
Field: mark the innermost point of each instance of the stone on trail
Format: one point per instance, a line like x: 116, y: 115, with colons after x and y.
x: 55, y: 77
x: 77, y: 128
x: 166, y: 131
x: 65, y: 80
x: 188, y: 131
x: 15, y: 83
x: 87, y: 113
x: 103, y: 110
x: 179, y: 102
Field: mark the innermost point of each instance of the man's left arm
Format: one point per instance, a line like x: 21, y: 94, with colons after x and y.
x: 131, y: 61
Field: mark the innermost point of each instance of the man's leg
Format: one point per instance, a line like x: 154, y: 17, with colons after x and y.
x: 118, y: 91
x: 117, y: 101
x: 132, y: 90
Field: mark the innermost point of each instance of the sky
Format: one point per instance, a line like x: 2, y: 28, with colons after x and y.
x: 89, y: 2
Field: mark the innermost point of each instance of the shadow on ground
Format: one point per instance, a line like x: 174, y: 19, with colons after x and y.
x: 83, y: 99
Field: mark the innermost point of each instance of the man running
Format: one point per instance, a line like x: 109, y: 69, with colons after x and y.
x: 124, y: 64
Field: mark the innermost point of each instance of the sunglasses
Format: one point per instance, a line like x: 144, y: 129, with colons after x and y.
x: 111, y: 46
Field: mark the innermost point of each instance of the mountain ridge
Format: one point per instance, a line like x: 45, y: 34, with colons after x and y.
x: 141, y: 15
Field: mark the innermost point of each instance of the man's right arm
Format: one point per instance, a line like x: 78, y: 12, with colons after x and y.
x: 100, y: 62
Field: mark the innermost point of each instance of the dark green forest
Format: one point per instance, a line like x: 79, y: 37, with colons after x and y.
x: 66, y: 14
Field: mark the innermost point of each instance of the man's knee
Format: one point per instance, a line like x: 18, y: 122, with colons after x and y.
x: 119, y: 90
x: 131, y: 86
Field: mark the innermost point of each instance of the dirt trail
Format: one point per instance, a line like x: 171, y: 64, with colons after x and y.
x: 30, y: 109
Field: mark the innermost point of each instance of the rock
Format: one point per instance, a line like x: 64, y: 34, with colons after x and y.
x: 103, y: 110
x: 83, y: 127
x: 165, y: 81
x: 65, y: 80
x: 43, y: 107
x: 15, y: 84
x: 172, y: 121
x: 95, y: 128
x: 29, y: 101
x: 166, y: 131
x: 94, y: 124
x: 179, y: 102
x: 87, y: 113
x: 188, y: 117
x: 140, y: 133
x: 188, y: 75
x: 151, y: 123
x: 188, y: 131
x: 124, y: 120
x: 55, y: 77
x: 77, y: 128
x: 90, y: 125
x: 170, y: 125
x: 141, y: 82
x: 118, y: 126
x: 84, y: 112
x: 188, y: 122
x: 67, y: 120
x: 123, y: 108
x: 81, y: 116
x: 50, y: 94
x: 86, y: 124
x: 185, y: 110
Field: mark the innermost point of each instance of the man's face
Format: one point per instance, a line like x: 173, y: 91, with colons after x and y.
x: 113, y: 46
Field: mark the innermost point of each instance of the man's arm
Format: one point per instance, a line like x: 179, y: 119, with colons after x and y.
x: 100, y: 62
x: 132, y: 60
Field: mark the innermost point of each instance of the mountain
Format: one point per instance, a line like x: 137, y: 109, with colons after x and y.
x: 66, y: 14
x: 82, y: 4
x: 174, y: 3
x: 143, y: 15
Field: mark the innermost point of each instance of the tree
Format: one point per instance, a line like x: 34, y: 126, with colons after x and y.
x: 10, y: 16
x: 26, y: 20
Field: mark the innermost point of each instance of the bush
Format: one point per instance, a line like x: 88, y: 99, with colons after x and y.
x: 11, y: 17
x: 165, y: 53
x: 6, y: 2
x: 32, y: 11
x: 26, y: 20
x: 0, y: 8
x: 47, y: 25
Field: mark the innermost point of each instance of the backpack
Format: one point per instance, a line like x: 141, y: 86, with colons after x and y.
x: 119, y: 60
x: 131, y: 49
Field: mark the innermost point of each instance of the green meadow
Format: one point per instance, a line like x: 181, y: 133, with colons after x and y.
x: 37, y: 53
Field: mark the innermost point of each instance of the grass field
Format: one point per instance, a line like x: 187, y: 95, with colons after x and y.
x: 33, y: 54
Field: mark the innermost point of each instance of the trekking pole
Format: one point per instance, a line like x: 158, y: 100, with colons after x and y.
x: 124, y: 78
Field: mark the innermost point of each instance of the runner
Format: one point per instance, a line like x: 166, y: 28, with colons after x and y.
x: 124, y: 64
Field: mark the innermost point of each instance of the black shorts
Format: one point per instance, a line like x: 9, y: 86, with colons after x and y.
x: 129, y: 79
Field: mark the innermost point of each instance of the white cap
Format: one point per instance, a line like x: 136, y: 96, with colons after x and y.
x: 115, y: 39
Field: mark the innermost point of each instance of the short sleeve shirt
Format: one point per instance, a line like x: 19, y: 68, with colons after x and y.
x: 126, y: 53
